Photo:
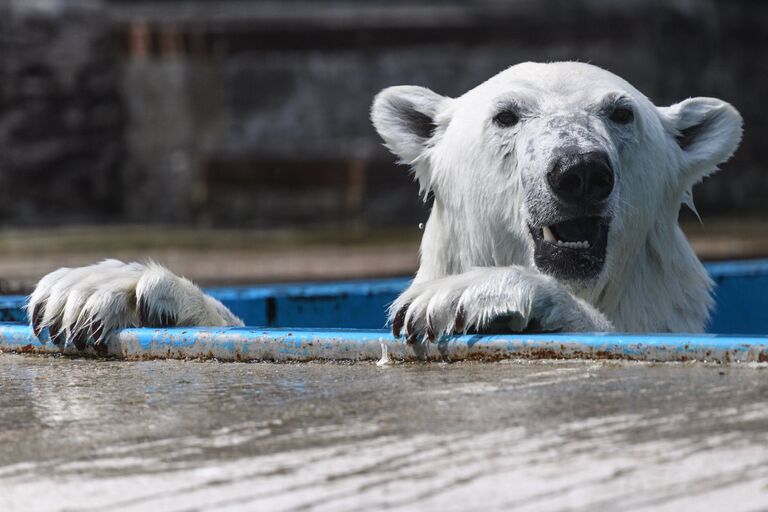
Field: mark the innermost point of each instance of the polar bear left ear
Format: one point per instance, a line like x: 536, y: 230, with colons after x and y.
x: 707, y: 130
x: 404, y: 116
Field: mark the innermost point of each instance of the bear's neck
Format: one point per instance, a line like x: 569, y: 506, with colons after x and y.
x: 657, y: 285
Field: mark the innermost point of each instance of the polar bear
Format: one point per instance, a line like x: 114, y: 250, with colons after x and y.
x: 556, y: 189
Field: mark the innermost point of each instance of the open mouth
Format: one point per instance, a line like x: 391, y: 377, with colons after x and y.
x: 573, y: 249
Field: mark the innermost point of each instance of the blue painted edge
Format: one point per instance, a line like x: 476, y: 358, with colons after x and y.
x: 366, y: 286
x: 737, y: 268
x: 372, y: 286
x: 256, y: 344
x: 311, y: 289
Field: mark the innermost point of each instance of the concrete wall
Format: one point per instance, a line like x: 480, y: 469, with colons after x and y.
x: 62, y: 120
x: 256, y: 113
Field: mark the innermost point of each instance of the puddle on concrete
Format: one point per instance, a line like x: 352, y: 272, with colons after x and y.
x: 173, y: 435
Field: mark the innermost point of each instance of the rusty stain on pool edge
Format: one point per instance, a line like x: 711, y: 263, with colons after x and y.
x: 487, y: 357
x: 282, y: 345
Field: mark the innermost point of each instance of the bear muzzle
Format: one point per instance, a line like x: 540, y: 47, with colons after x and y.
x: 581, y: 180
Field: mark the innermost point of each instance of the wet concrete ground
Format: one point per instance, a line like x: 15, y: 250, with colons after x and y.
x: 173, y: 435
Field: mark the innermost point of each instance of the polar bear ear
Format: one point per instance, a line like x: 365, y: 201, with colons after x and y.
x: 707, y: 130
x: 404, y: 116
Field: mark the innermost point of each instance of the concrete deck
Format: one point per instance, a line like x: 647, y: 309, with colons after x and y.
x: 79, y: 434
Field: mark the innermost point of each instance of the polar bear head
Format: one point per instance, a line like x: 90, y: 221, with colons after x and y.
x: 562, y: 166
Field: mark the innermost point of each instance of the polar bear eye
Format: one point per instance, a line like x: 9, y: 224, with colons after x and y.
x: 506, y: 118
x: 622, y: 115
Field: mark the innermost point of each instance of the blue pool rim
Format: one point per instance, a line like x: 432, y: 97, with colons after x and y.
x: 280, y: 345
x: 342, y: 321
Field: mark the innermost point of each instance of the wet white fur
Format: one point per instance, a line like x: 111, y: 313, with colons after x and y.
x: 476, y: 250
x: 108, y: 292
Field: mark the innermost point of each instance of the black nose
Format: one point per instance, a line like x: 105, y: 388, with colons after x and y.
x: 581, y: 178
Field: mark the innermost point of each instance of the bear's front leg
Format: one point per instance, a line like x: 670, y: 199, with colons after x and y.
x: 88, y: 303
x: 492, y: 299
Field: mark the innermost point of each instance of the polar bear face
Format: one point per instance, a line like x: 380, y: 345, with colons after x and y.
x: 561, y: 166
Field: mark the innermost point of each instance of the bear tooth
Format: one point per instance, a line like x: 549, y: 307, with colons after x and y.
x: 548, y: 235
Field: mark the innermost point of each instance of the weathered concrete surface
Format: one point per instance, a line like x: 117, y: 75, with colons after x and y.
x: 170, y: 435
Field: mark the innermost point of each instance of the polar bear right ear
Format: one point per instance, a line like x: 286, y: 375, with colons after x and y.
x: 707, y: 131
x: 405, y: 116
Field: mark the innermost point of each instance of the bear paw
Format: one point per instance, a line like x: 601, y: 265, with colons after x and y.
x: 491, y: 300
x: 76, y: 305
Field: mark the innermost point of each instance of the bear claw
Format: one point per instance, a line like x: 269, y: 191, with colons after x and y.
x: 37, y: 317
x: 55, y: 333
x: 161, y: 319
x: 97, y: 331
x: 143, y: 311
x: 410, y: 328
x: 397, y: 323
x: 458, y: 323
x: 80, y: 338
x: 431, y: 333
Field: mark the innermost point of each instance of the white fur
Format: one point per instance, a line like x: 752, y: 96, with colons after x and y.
x: 487, y: 293
x: 488, y: 184
x: 476, y: 253
x: 70, y: 301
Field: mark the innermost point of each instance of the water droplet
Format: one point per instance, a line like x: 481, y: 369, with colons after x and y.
x: 384, y: 361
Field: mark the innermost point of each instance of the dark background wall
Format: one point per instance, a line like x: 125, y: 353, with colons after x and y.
x: 250, y: 113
